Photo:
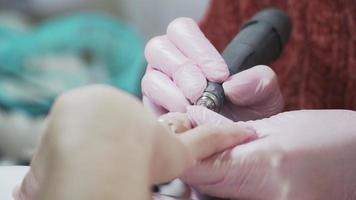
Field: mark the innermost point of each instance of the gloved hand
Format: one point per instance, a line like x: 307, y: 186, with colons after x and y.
x: 306, y: 154
x: 179, y: 65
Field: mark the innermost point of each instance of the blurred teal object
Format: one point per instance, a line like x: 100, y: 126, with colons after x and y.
x: 64, y: 53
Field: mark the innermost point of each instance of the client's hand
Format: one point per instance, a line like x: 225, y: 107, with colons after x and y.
x: 100, y: 143
x: 306, y: 154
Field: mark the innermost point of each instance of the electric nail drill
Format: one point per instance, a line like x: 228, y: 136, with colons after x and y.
x: 260, y: 41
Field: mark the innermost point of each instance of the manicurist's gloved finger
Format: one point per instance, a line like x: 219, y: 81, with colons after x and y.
x: 187, y: 36
x: 253, y: 93
x: 164, y: 56
x: 162, y: 91
x: 200, y: 115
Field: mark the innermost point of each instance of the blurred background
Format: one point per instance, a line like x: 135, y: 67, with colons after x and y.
x: 50, y: 46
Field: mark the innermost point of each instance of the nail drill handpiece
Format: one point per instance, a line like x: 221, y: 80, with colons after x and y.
x: 259, y: 42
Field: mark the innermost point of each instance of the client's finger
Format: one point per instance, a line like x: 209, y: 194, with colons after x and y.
x: 176, y: 122
x: 204, y: 141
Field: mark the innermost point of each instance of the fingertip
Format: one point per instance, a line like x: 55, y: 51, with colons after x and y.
x: 179, y: 23
x: 267, y: 72
x: 163, y: 92
x: 152, y: 44
x: 249, y: 86
x: 216, y: 70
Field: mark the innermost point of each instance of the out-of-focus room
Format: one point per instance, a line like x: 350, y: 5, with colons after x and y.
x: 50, y: 46
x: 195, y: 99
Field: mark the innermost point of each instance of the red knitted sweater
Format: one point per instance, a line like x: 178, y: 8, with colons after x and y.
x: 318, y: 67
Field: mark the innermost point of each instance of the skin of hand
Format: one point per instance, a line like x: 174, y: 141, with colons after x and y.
x: 101, y: 143
x: 306, y: 154
x: 179, y: 65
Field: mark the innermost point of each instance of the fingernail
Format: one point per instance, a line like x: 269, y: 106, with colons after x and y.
x: 172, y: 127
x: 175, y: 122
x: 169, y: 125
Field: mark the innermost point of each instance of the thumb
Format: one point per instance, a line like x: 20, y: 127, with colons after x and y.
x: 257, y: 87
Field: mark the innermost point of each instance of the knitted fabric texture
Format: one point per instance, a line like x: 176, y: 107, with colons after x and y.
x: 318, y: 67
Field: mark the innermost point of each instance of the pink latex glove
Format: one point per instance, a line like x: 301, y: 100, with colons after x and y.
x: 306, y: 154
x: 179, y: 65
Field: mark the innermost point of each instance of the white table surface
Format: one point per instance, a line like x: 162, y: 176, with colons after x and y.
x: 10, y: 177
